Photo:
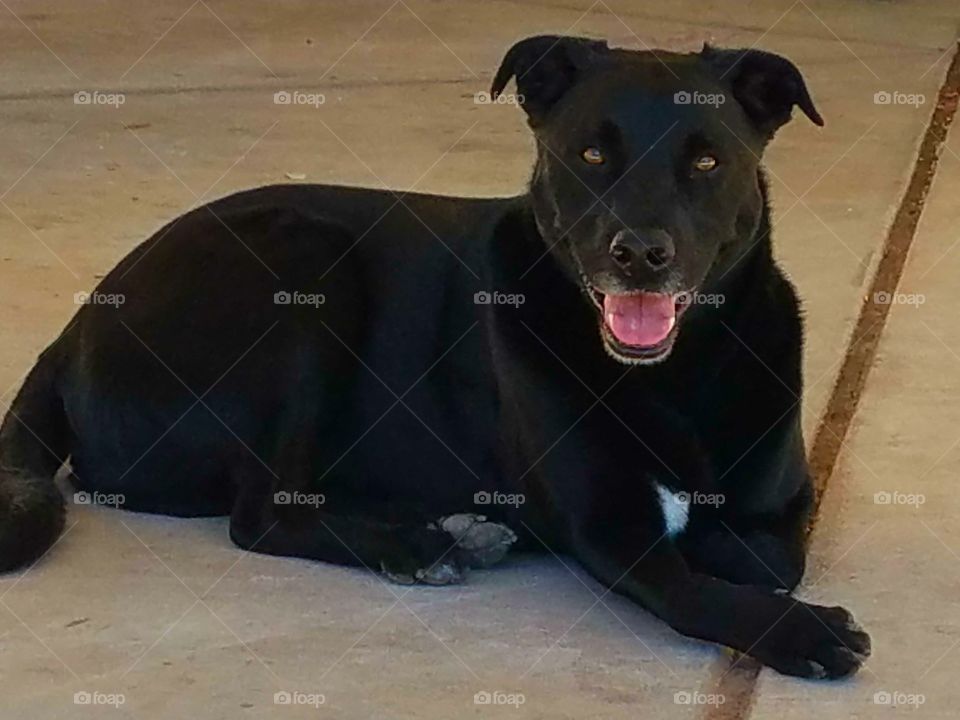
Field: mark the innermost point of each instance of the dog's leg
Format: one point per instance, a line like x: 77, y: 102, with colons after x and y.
x: 407, y: 548
x: 767, y: 550
x: 754, y: 547
x: 631, y: 557
x: 302, y: 525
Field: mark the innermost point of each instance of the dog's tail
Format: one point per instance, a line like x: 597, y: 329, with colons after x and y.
x: 34, y: 444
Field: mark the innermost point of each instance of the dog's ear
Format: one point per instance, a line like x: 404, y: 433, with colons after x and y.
x: 546, y: 66
x: 767, y: 86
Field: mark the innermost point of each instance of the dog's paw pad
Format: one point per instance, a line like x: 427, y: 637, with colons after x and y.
x: 482, y: 543
x: 445, y: 573
x: 458, y: 525
x: 397, y: 577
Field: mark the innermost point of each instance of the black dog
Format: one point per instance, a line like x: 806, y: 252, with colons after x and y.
x: 608, y: 365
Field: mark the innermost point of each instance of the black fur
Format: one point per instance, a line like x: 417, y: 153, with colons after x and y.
x: 399, y: 398
x: 34, y: 444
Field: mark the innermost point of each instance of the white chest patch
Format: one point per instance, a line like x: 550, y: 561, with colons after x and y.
x: 675, y: 508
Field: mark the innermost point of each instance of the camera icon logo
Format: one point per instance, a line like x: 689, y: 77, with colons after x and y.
x: 282, y: 298
x: 882, y: 498
x: 281, y: 97
x: 682, y: 97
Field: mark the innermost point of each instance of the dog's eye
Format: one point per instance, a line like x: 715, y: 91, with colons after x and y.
x: 593, y: 156
x: 705, y: 163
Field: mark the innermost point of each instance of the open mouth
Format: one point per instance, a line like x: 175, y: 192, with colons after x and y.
x: 639, y: 327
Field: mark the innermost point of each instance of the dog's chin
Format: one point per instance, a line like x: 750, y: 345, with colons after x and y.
x: 636, y: 354
x: 640, y: 353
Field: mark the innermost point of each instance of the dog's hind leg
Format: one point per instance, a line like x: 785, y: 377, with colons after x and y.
x: 481, y: 543
x: 275, y: 521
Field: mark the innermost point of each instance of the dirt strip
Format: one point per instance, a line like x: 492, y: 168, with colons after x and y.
x: 736, y: 679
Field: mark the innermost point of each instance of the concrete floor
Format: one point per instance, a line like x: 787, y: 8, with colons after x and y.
x: 170, y: 616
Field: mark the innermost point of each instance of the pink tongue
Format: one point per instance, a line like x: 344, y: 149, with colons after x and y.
x: 644, y: 319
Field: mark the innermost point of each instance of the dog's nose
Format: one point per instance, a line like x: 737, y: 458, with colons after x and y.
x: 653, y: 248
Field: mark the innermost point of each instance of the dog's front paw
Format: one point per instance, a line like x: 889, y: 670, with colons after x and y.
x: 813, y: 641
x: 481, y: 543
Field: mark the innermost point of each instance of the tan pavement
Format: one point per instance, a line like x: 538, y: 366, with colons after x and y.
x: 168, y: 614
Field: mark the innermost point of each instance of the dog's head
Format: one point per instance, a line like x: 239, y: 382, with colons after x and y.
x: 647, y: 179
